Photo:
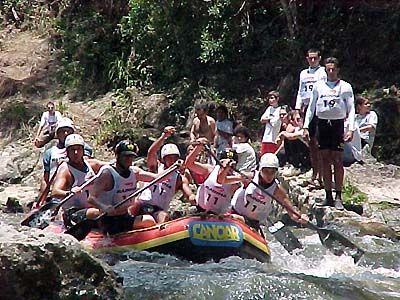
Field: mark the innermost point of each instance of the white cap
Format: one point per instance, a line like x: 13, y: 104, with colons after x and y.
x: 74, y: 139
x: 65, y: 122
x: 269, y: 160
x: 169, y: 149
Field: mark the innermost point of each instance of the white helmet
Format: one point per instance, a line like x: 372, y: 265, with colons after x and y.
x: 65, y: 122
x: 74, y: 139
x: 269, y: 160
x: 169, y: 149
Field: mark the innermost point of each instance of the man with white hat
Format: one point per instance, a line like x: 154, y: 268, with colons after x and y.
x: 70, y: 175
x: 56, y: 153
x: 254, y: 204
x: 156, y: 200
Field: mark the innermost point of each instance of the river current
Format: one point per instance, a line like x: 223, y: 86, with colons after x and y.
x: 311, y: 273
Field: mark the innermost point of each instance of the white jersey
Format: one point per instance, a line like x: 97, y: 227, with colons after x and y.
x: 212, y: 196
x: 122, y: 188
x: 331, y: 101
x: 80, y: 177
x: 252, y: 202
x: 308, y: 78
x: 272, y: 128
x: 370, y: 118
x: 161, y: 194
x: 56, y: 154
x: 49, y: 122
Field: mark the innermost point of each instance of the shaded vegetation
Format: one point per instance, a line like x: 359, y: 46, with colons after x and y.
x: 229, y: 51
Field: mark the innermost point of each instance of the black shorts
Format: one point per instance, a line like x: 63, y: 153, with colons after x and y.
x: 149, y: 209
x: 330, y: 134
x: 117, y: 224
x: 313, y: 127
x: 74, y: 215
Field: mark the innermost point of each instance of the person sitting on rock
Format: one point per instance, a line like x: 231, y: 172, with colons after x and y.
x: 247, y: 159
x: 115, y: 183
x: 70, y: 175
x: 296, y: 148
x: 47, y: 126
x: 57, y: 153
x: 252, y: 205
x: 156, y: 199
x: 214, y: 194
x: 367, y: 120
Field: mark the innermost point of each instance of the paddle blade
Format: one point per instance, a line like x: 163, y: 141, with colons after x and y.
x: 338, y: 244
x: 40, y: 218
x: 284, y: 236
x: 82, y: 229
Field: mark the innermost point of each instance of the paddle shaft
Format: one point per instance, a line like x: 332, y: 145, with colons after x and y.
x: 288, y: 208
x: 171, y: 169
x: 85, y: 184
x: 47, y: 188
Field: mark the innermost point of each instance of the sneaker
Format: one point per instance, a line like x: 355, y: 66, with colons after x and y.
x: 291, y: 171
x: 338, y: 204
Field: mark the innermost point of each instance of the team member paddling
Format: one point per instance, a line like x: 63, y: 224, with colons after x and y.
x: 70, y: 176
x: 332, y: 101
x: 156, y: 200
x: 115, y: 183
x: 215, y: 193
x: 253, y: 204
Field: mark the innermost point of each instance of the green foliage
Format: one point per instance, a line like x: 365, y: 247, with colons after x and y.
x: 32, y: 14
x: 62, y: 107
x: 14, y: 115
x: 352, y: 195
x: 387, y: 205
x: 85, y: 36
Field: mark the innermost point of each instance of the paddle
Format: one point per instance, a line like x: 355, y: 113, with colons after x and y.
x: 330, y: 238
x: 41, y: 217
x: 46, y: 190
x: 81, y: 229
x: 278, y: 229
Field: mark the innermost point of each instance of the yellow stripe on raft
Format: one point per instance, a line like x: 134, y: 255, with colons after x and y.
x: 145, y: 245
x: 247, y: 237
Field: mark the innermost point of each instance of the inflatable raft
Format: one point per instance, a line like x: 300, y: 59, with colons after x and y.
x: 194, y: 238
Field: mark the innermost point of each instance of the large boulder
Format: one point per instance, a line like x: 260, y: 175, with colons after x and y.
x: 40, y: 265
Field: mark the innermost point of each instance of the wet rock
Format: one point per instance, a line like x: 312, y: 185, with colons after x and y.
x: 40, y: 265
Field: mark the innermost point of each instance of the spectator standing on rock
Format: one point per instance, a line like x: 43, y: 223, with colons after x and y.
x: 367, y: 120
x: 307, y: 80
x: 224, y: 133
x: 203, y: 124
x: 272, y: 124
x: 47, y: 125
x: 332, y: 101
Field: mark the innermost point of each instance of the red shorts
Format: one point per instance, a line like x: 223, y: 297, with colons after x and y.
x: 268, y: 148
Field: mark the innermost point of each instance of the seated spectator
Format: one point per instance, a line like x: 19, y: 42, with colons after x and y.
x: 47, y: 126
x: 367, y: 120
x: 296, y: 148
x: 224, y: 132
x: 246, y: 155
x: 280, y: 152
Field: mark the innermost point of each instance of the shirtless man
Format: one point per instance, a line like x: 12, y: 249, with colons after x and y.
x: 203, y: 125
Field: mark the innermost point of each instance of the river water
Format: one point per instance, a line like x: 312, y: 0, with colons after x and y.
x: 312, y: 273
